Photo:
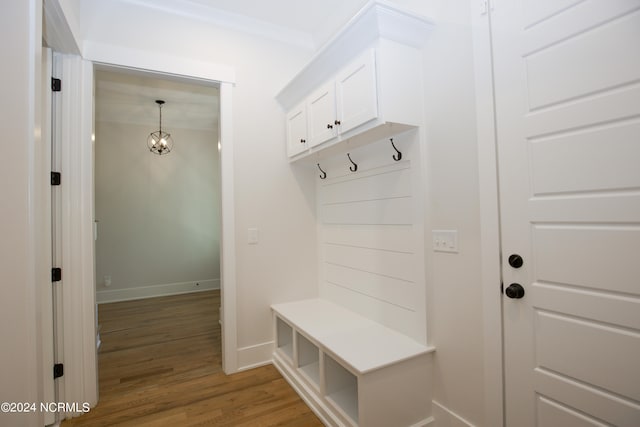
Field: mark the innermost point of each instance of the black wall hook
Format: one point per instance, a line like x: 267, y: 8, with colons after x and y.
x: 324, y: 174
x: 397, y: 157
x: 355, y: 166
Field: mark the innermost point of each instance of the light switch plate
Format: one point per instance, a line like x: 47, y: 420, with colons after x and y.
x: 252, y: 236
x: 445, y: 240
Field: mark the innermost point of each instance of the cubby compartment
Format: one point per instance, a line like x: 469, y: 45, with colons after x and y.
x: 308, y: 360
x: 284, y: 334
x: 341, y: 388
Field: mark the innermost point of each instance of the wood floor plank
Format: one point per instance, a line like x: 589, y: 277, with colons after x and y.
x: 160, y: 365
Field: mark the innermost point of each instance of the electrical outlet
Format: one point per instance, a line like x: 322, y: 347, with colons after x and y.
x: 445, y: 240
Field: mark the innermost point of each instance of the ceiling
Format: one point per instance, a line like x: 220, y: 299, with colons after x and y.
x: 129, y: 97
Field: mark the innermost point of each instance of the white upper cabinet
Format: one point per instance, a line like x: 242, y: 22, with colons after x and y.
x: 356, y: 93
x: 297, y: 134
x: 321, y: 110
x: 345, y: 102
x: 363, y: 86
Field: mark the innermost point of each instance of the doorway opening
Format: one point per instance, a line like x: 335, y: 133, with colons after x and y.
x: 157, y: 218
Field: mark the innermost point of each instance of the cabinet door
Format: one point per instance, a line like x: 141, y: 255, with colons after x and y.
x: 321, y: 107
x: 357, y: 98
x: 297, y: 130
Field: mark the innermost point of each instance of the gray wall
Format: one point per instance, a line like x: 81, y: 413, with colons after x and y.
x: 158, y: 215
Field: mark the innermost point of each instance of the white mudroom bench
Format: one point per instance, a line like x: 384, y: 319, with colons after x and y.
x: 349, y: 369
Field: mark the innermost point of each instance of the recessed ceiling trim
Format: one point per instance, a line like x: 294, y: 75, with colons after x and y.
x: 229, y: 20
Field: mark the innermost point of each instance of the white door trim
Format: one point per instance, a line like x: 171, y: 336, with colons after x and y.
x: 489, y: 218
x: 80, y: 338
x: 165, y: 66
x: 228, y: 241
x: 209, y: 73
x: 43, y: 223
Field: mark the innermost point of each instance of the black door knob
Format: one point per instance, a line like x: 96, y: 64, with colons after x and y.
x: 515, y: 261
x: 336, y: 122
x: 329, y: 126
x: 515, y: 291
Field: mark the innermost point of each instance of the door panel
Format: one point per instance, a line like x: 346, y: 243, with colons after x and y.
x: 594, y: 165
x: 567, y: 87
x: 550, y: 413
x: 578, y: 359
x: 584, y: 64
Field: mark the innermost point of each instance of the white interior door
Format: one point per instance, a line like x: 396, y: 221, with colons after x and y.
x: 567, y: 81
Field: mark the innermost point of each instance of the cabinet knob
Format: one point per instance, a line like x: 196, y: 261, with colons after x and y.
x: 329, y: 126
x: 336, y: 122
x: 302, y: 141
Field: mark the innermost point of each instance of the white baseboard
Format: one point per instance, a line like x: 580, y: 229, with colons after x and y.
x: 255, y: 356
x: 127, y: 294
x: 445, y: 417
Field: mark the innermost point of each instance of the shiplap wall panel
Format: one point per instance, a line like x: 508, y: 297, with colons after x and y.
x: 397, y: 238
x: 374, y: 186
x: 378, y: 261
x: 383, y: 212
x: 371, y: 235
x: 389, y: 315
x: 383, y: 288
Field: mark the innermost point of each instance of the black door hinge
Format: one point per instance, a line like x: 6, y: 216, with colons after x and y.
x: 56, y: 178
x: 56, y: 84
x: 502, y: 287
x: 58, y: 370
x: 56, y: 274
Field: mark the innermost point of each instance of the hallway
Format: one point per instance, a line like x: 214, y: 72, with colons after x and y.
x: 160, y: 364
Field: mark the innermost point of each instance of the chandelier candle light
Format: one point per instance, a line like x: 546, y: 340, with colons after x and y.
x: 160, y: 142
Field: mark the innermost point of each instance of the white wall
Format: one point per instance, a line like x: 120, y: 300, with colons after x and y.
x: 455, y: 306
x: 159, y: 216
x: 20, y: 376
x: 454, y: 288
x: 269, y: 194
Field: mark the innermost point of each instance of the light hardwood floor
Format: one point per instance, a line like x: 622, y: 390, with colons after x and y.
x: 160, y: 365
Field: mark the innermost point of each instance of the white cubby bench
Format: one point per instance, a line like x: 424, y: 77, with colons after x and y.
x: 349, y: 369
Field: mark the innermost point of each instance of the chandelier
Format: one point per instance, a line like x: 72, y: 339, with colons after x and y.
x: 160, y: 142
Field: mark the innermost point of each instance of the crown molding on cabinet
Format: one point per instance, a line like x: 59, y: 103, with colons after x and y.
x: 377, y: 19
